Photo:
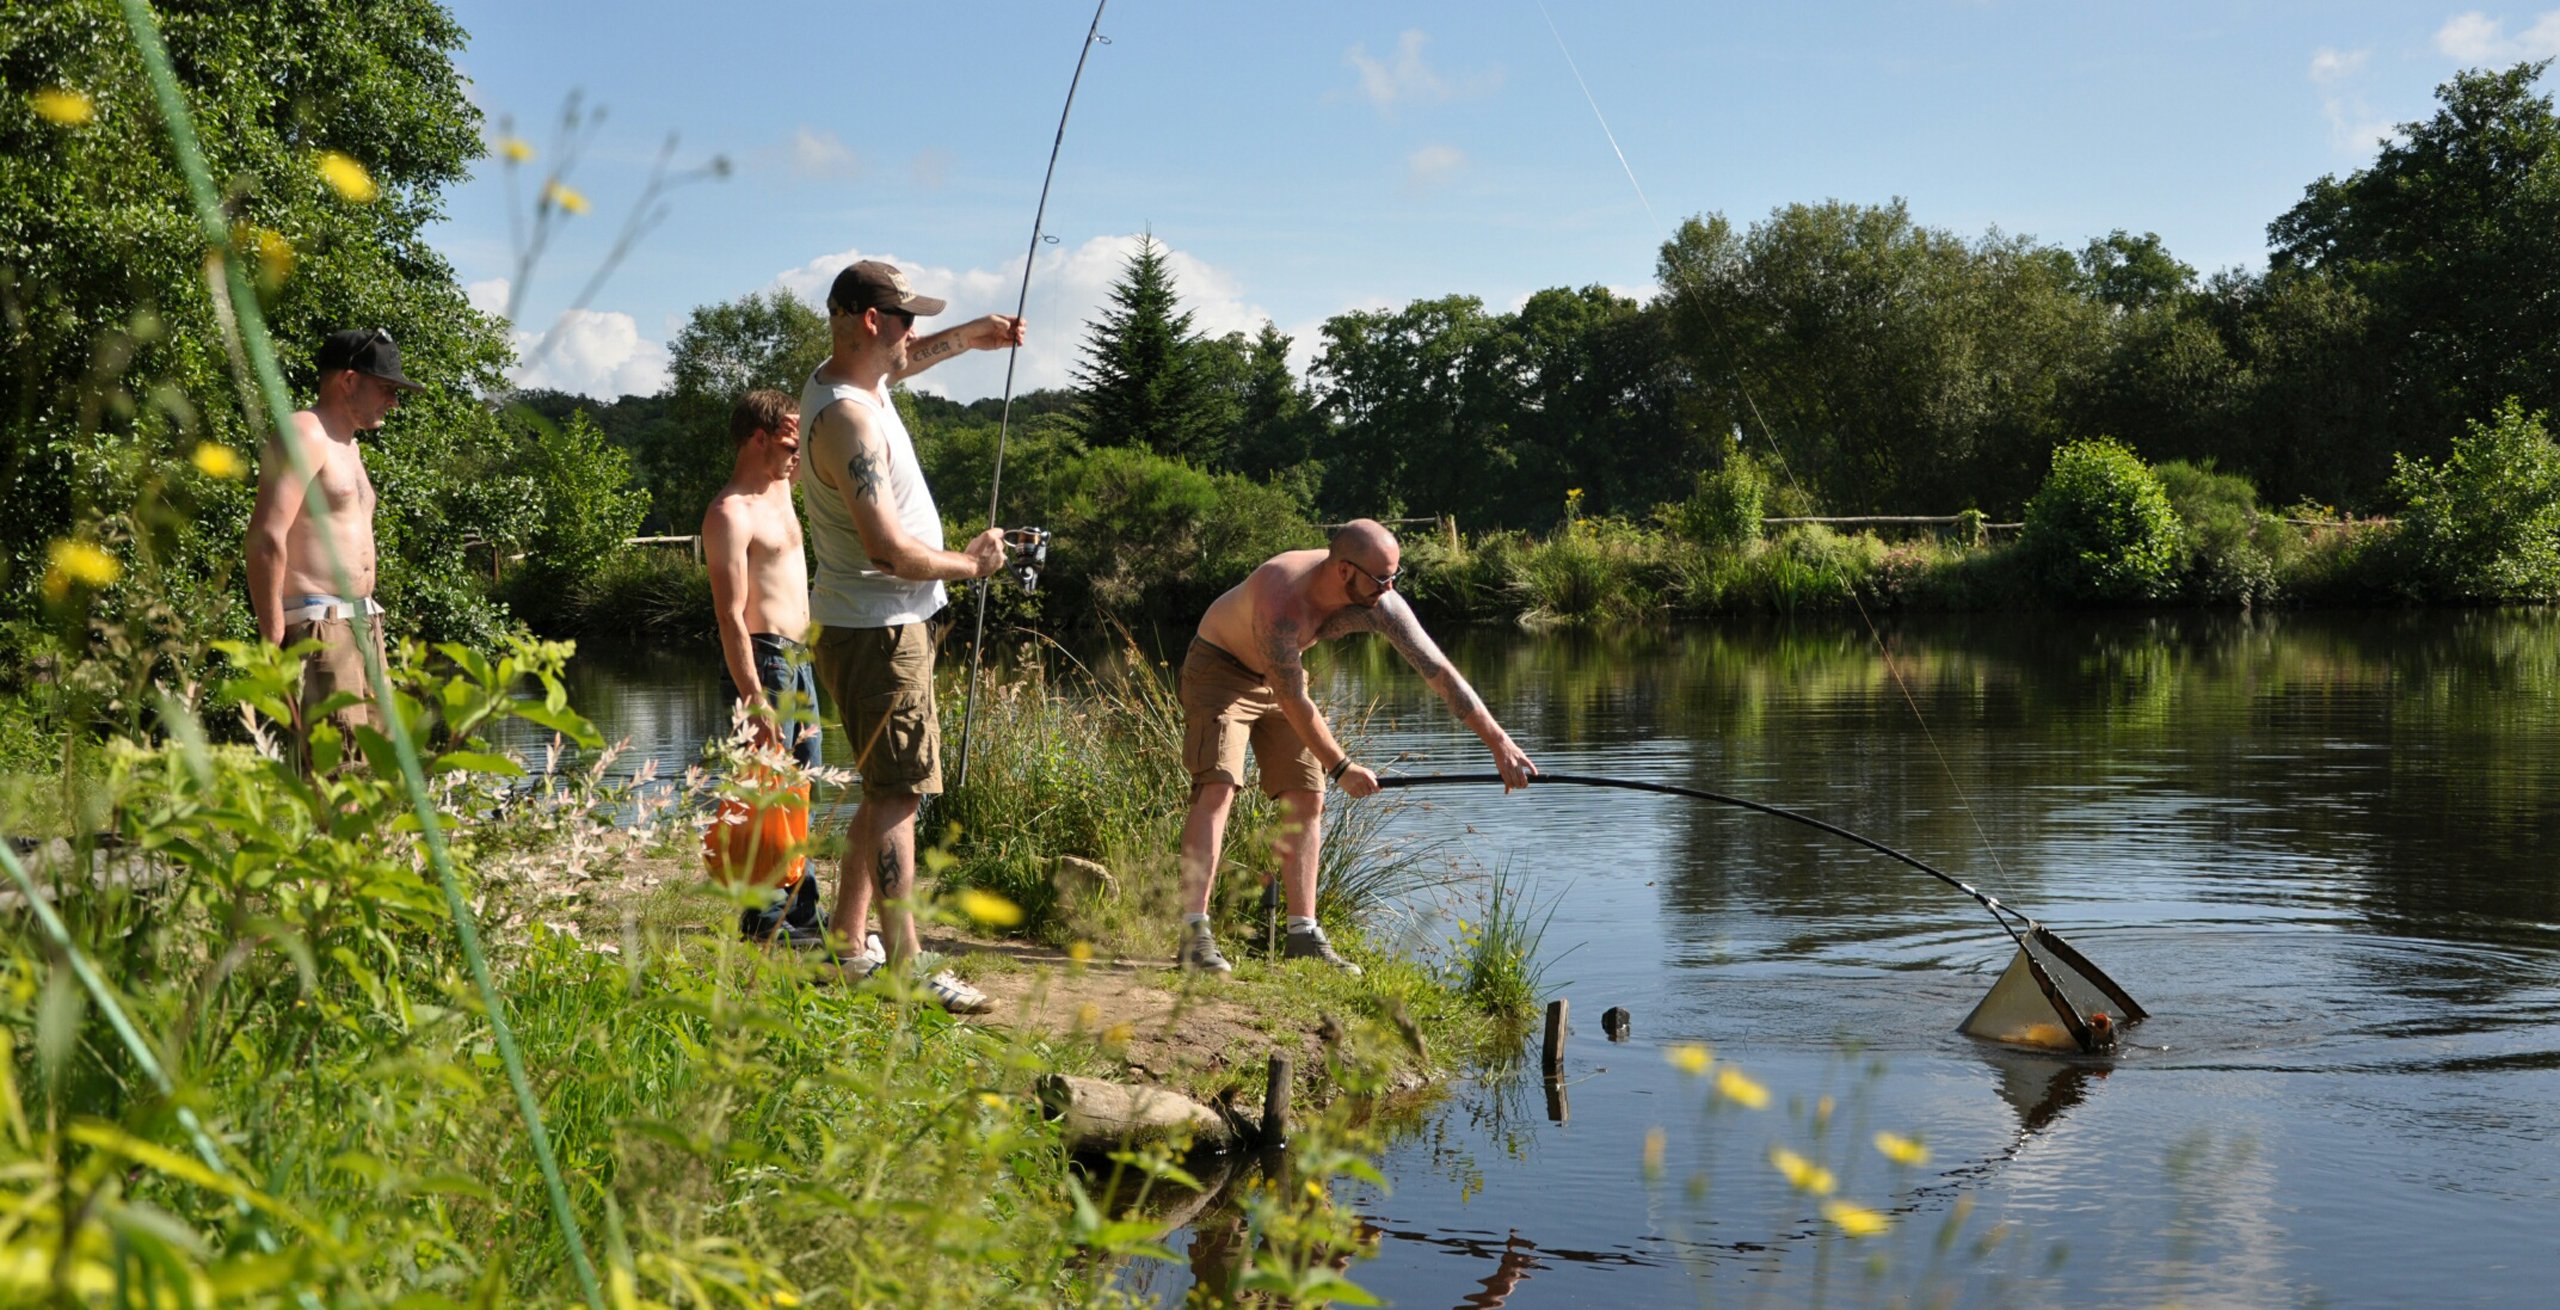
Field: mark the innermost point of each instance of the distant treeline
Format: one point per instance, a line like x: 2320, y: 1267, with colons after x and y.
x: 1880, y: 365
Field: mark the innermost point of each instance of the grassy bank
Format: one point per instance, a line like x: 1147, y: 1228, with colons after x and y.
x: 729, y: 1132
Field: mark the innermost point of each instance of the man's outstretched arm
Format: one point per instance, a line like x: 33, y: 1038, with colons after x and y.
x: 1394, y: 620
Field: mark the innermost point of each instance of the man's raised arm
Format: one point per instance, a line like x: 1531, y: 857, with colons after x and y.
x: 1395, y: 620
x: 850, y: 456
x: 993, y: 332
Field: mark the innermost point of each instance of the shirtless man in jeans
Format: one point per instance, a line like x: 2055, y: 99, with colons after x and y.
x: 1243, y: 684
x: 760, y: 594
x: 292, y: 587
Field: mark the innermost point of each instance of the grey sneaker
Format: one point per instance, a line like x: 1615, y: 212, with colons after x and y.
x: 1200, y: 951
x: 1310, y: 944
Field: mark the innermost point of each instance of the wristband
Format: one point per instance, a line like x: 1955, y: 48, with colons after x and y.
x: 1334, y: 774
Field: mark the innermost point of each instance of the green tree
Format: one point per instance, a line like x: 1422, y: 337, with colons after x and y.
x: 2453, y: 237
x: 1897, y: 367
x: 2484, y: 524
x: 761, y: 340
x: 1275, y: 425
x: 118, y: 354
x: 1145, y: 381
x: 2101, y: 528
x: 2133, y: 273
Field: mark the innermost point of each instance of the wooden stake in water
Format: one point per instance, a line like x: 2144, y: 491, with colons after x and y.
x: 1552, y: 1061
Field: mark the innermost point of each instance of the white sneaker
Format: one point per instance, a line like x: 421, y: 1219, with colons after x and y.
x: 954, y: 995
x: 872, y: 952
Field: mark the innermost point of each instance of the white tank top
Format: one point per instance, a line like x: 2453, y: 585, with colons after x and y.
x: 847, y: 591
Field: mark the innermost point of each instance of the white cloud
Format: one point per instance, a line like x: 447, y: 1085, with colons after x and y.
x: 2354, y: 128
x: 488, y: 295
x: 2329, y: 66
x: 1410, y: 80
x: 1432, y: 165
x: 2476, y: 38
x: 816, y: 153
x: 595, y: 353
x: 1069, y: 289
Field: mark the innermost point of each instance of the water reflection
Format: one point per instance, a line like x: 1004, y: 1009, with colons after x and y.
x: 2317, y: 847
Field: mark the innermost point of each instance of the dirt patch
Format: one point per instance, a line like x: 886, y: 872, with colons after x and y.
x: 1156, y: 1022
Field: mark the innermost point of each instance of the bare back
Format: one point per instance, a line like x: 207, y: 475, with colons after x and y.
x: 1271, y: 600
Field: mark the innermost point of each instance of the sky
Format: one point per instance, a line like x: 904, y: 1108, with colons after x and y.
x: 1304, y: 160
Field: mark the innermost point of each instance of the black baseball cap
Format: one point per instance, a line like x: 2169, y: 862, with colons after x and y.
x: 370, y: 351
x: 872, y: 284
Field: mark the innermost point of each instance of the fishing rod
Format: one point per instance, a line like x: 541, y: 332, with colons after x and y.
x: 2089, y: 1032
x: 1004, y: 423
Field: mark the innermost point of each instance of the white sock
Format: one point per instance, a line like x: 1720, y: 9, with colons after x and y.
x: 1300, y: 923
x: 1195, y: 920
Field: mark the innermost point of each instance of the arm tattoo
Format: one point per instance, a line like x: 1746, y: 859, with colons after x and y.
x: 942, y: 344
x: 1395, y: 619
x: 1280, y: 658
x: 869, y: 472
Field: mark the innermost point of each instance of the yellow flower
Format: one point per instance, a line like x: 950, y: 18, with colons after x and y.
x: 1689, y: 1057
x: 991, y: 1100
x: 77, y: 562
x: 347, y: 177
x: 1654, y: 1142
x: 63, y: 105
x: 988, y: 908
x: 275, y: 254
x: 514, y: 149
x: 1741, y: 1090
x: 567, y: 198
x: 784, y: 1299
x: 1901, y: 1150
x: 1118, y: 1034
x: 1855, y: 1220
x: 1080, y: 952
x: 1802, y: 1174
x: 215, y: 460
x: 1088, y: 1014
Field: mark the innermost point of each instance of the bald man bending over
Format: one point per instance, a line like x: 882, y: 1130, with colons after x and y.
x: 1242, y: 683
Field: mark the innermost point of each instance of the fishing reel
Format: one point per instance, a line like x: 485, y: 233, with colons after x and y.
x: 1030, y: 547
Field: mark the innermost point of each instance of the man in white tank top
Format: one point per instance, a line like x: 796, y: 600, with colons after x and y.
x: 881, y: 566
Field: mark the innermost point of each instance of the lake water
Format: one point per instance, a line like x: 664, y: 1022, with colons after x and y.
x: 2320, y: 849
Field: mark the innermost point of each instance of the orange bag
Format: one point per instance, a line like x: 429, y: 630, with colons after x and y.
x: 759, y: 845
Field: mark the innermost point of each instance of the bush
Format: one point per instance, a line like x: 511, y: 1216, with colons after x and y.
x: 2485, y: 524
x: 2101, y: 528
x: 1725, y: 509
x: 1144, y: 537
x: 2230, y: 548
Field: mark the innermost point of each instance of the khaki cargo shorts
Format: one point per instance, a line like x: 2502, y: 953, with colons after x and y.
x: 337, y: 666
x: 1225, y: 705
x: 881, y: 680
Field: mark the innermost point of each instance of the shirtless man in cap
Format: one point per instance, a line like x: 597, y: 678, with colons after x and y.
x: 292, y: 587
x: 881, y: 566
x: 1242, y: 683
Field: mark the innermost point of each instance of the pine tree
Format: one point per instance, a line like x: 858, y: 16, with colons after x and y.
x: 1142, y: 382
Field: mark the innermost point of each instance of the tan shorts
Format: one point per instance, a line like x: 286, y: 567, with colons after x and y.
x: 881, y: 680
x: 337, y: 666
x: 1225, y: 705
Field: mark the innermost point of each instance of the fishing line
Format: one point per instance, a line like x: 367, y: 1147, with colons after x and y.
x: 1769, y: 435
x: 1004, y: 423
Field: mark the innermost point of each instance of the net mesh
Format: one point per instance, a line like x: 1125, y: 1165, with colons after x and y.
x: 2052, y: 999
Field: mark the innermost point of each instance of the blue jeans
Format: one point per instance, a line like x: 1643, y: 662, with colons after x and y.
x: 791, y: 684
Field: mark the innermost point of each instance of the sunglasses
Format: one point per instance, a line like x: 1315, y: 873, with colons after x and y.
x: 1386, y: 583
